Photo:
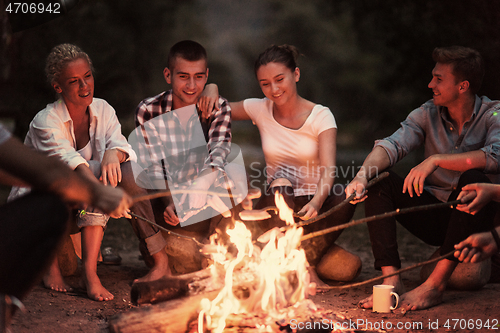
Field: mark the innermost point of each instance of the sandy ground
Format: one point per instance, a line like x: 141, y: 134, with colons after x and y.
x: 48, y: 311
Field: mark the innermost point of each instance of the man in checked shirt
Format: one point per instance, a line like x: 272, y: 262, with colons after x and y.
x: 179, y: 154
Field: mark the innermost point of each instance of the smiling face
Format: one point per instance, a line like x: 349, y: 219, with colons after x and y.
x: 445, y: 86
x: 76, y: 84
x: 278, y: 82
x: 188, y: 79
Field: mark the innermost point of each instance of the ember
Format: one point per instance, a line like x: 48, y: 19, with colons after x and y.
x: 259, y: 281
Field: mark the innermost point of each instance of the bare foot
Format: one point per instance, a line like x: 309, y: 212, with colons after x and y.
x: 54, y: 280
x: 314, y: 278
x: 159, y: 270
x: 422, y: 297
x: 395, y: 281
x: 95, y: 289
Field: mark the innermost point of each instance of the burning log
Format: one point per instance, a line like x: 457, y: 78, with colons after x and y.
x: 269, y: 282
x: 172, y: 316
x: 175, y: 287
x: 181, y: 315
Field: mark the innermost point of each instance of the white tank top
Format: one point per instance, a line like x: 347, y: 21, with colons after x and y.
x: 86, y: 152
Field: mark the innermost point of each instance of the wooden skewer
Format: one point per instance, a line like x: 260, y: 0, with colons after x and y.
x: 381, y: 216
x: 160, y: 194
x: 166, y: 230
x: 321, y: 216
x: 347, y: 200
x: 261, y: 214
x: 362, y: 283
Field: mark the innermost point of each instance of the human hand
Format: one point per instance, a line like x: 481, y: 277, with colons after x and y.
x: 476, y: 248
x: 358, y: 186
x: 208, y: 102
x: 113, y: 201
x: 414, y: 181
x: 475, y: 196
x: 169, y: 215
x: 111, y: 172
x: 309, y: 211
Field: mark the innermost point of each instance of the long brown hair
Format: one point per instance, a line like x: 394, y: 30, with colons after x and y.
x: 284, y: 54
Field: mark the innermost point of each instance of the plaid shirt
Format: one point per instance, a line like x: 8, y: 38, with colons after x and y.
x: 176, y: 154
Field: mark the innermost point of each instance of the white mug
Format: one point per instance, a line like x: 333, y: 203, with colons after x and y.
x: 382, y: 298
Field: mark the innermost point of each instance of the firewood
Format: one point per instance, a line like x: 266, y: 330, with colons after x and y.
x: 174, y: 287
x: 173, y: 316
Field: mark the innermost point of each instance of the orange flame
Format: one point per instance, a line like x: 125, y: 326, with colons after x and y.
x: 266, y: 280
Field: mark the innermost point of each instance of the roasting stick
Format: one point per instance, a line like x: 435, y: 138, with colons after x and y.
x: 166, y: 230
x: 262, y: 214
x: 357, y: 284
x: 362, y: 283
x: 159, y: 194
x: 347, y: 200
x: 398, y: 211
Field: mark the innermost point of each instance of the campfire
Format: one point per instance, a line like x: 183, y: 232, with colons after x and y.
x: 248, y: 287
x: 263, y: 288
x: 259, y: 281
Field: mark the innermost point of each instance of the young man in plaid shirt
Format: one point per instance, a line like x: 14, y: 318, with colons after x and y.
x: 179, y: 154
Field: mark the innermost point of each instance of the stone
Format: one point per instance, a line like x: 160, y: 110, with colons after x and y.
x: 339, y: 265
x: 183, y: 254
x: 68, y: 261
x: 466, y: 276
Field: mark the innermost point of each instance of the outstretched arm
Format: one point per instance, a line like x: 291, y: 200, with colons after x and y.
x: 478, y: 247
x: 327, y: 155
x: 375, y: 163
x: 476, y: 196
x: 49, y: 173
x: 238, y: 111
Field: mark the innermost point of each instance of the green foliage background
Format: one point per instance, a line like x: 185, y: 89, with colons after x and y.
x: 369, y: 61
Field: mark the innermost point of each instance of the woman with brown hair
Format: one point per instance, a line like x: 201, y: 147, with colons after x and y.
x: 299, y: 144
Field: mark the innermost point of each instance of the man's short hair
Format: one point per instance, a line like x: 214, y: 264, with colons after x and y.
x: 468, y: 65
x: 187, y: 50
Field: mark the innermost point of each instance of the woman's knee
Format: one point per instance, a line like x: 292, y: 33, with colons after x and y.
x: 92, y: 218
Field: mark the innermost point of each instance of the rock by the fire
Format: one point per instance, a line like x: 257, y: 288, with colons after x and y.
x: 339, y: 265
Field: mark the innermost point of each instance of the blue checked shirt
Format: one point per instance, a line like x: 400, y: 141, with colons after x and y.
x: 179, y: 154
x: 430, y: 125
